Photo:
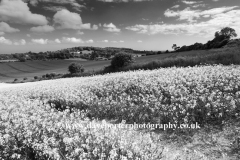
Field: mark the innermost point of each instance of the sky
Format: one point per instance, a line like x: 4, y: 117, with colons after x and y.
x: 49, y: 25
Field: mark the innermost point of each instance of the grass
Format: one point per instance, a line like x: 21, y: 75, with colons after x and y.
x: 224, y: 56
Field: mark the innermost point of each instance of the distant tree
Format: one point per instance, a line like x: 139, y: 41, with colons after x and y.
x: 167, y: 51
x: 75, y: 68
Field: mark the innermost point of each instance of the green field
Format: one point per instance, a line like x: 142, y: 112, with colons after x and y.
x: 29, y: 69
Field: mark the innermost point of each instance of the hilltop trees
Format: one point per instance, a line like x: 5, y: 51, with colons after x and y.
x: 226, y: 33
x: 175, y: 47
x: 221, y: 38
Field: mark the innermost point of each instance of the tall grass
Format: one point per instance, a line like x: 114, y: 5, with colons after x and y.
x: 223, y: 56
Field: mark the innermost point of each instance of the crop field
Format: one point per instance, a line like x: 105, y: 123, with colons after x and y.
x: 50, y: 119
x: 29, y: 69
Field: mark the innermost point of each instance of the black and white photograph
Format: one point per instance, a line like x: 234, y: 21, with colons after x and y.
x: 119, y: 79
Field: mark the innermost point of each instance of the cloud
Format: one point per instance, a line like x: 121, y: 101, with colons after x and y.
x: 203, y: 28
x: 191, y: 15
x: 57, y: 41
x: 124, y: 0
x: 121, y: 41
x: 105, y: 41
x: 80, y: 32
x: 111, y: 28
x: 72, y: 40
x: 28, y: 35
x: 4, y: 27
x: 176, y: 6
x: 21, y: 42
x: 45, y: 28
x: 40, y: 41
x: 53, y: 8
x: 16, y: 11
x: 139, y: 41
x: 2, y: 33
x: 191, y: 2
x: 75, y: 5
x: 69, y: 20
x: 90, y: 41
x: 3, y: 40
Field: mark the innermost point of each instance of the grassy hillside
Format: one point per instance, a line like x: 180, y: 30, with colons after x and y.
x: 29, y: 69
x: 51, y: 119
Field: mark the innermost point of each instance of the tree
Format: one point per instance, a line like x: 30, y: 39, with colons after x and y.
x: 93, y: 55
x: 121, y: 59
x: 174, y: 46
x: 75, y: 68
x: 227, y: 33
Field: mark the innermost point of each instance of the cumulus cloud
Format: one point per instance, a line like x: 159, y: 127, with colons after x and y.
x: 72, y: 40
x: 4, y: 27
x: 3, y: 40
x: 45, y: 28
x: 90, y: 41
x: 139, y: 41
x: 40, y: 41
x: 16, y: 11
x: 57, y: 41
x: 21, y: 42
x: 70, y: 20
x: 111, y: 28
x: 203, y: 28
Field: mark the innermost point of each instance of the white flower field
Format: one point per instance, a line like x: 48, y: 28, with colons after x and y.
x: 35, y: 118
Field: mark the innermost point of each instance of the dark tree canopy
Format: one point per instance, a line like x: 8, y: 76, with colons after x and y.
x: 226, y: 32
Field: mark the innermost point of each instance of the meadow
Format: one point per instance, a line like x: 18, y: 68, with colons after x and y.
x: 39, y: 119
x: 29, y: 69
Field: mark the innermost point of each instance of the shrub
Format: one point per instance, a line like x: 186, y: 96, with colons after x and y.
x: 35, y: 77
x: 75, y: 68
x: 43, y: 76
x: 15, y: 80
x: 121, y: 59
x: 25, y: 78
x: 21, y: 59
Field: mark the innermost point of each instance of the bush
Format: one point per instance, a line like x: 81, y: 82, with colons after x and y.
x: 35, y: 77
x: 15, y: 80
x: 75, y: 68
x: 121, y: 59
x: 21, y: 59
x: 25, y: 78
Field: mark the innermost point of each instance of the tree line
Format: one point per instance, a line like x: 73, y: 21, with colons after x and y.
x: 221, y: 38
